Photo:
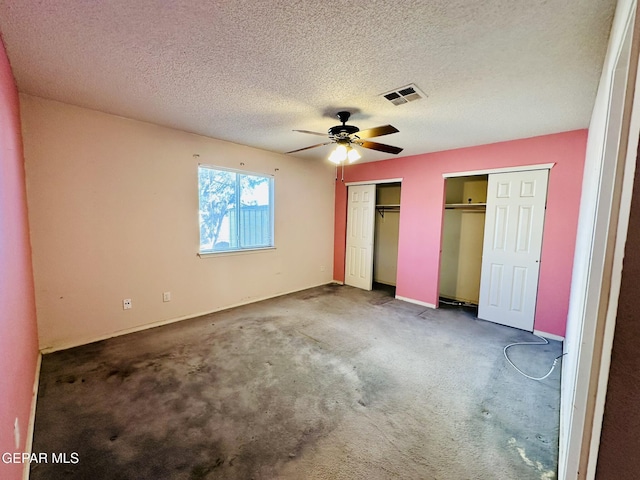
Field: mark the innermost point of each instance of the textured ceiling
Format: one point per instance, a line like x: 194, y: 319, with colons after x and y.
x: 252, y: 71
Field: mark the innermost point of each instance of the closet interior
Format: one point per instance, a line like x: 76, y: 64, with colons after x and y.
x: 462, y: 238
x: 387, y: 224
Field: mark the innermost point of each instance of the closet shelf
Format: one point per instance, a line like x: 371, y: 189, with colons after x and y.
x: 387, y: 208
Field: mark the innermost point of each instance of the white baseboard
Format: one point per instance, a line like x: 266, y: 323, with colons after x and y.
x: 338, y: 282
x: 417, y: 302
x: 32, y: 418
x: 86, y: 340
x: 550, y: 336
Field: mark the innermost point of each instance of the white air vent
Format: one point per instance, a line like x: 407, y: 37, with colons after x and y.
x: 402, y: 95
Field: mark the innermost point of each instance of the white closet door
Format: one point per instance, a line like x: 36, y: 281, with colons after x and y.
x: 512, y: 245
x: 360, y: 227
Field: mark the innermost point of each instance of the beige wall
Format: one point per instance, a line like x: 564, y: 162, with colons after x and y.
x: 113, y: 212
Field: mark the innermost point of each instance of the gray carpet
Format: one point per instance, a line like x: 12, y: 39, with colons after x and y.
x: 328, y: 383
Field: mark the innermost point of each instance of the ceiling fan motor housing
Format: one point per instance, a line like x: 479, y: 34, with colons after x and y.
x: 341, y: 131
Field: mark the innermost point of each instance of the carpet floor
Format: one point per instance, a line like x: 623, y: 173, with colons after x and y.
x: 328, y: 383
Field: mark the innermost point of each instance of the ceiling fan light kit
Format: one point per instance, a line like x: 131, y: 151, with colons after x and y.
x: 353, y: 155
x: 344, y: 152
x: 346, y: 136
x: 339, y: 155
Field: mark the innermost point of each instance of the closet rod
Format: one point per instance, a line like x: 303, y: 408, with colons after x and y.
x: 389, y: 208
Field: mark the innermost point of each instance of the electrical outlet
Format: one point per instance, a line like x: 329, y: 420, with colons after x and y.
x: 166, y: 297
x: 126, y: 304
x: 322, y: 268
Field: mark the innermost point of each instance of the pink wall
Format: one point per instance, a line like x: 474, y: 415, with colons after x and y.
x: 18, y: 331
x: 421, y: 213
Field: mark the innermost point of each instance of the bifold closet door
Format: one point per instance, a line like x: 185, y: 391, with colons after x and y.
x: 512, y: 245
x: 360, y: 229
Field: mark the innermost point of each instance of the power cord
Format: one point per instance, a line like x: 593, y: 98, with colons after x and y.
x: 544, y: 342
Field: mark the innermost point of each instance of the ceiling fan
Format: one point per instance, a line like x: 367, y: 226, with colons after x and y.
x: 345, y: 136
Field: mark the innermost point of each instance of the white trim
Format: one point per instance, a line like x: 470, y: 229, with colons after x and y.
x: 230, y: 253
x: 147, y: 326
x: 337, y: 282
x: 32, y: 418
x: 374, y: 182
x: 550, y: 336
x: 486, y: 171
x: 624, y: 212
x: 593, y: 284
x: 417, y: 302
x: 238, y: 189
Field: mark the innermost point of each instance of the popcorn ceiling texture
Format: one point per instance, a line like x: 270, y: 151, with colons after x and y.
x: 251, y: 71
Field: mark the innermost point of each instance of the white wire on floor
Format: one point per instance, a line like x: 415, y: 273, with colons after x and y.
x: 544, y: 342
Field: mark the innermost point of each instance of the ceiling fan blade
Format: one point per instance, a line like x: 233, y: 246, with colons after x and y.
x: 307, y: 148
x: 381, y: 147
x: 312, y: 133
x: 377, y: 131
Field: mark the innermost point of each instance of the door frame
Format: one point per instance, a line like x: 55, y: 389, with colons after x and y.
x: 585, y: 373
x: 487, y: 171
x: 374, y: 182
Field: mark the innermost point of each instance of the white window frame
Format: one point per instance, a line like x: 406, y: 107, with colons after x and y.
x: 240, y: 250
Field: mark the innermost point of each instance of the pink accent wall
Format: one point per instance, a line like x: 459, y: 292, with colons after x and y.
x: 421, y: 214
x: 18, y: 330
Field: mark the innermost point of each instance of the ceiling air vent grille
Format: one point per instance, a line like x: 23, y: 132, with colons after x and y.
x: 402, y: 95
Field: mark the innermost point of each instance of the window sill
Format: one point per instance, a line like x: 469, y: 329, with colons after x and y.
x: 245, y: 251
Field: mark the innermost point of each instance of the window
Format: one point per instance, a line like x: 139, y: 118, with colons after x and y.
x: 236, y: 210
